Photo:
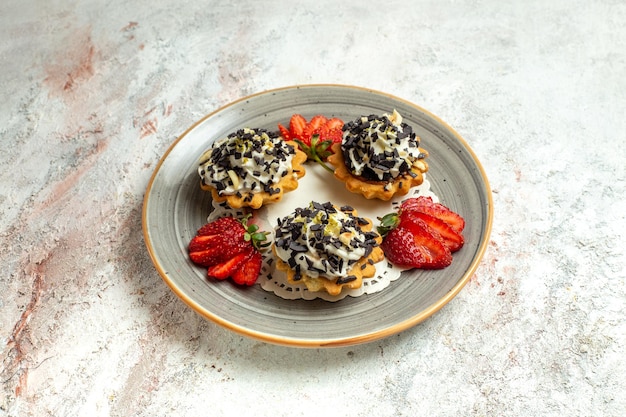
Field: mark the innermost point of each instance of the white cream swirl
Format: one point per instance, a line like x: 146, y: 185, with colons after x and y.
x: 321, y: 240
x: 380, y: 148
x: 247, y: 161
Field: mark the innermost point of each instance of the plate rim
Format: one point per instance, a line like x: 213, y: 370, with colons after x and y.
x: 336, y: 341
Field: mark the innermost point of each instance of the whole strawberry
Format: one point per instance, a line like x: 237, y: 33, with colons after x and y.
x: 422, y: 234
x: 229, y: 247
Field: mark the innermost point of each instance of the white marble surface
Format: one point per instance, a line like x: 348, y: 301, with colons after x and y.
x: 94, y: 92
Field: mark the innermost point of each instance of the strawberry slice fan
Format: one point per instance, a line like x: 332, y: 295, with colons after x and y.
x: 421, y: 234
x: 315, y: 137
x: 230, y: 248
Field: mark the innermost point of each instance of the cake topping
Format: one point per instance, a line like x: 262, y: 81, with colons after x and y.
x: 247, y: 161
x: 380, y: 148
x: 314, y: 137
x: 321, y: 239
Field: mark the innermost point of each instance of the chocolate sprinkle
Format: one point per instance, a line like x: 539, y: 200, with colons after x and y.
x: 346, y: 279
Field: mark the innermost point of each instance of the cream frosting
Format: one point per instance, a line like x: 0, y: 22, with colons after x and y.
x: 246, y: 161
x: 380, y: 148
x: 321, y: 240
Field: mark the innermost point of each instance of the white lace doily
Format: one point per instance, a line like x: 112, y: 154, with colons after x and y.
x: 321, y: 186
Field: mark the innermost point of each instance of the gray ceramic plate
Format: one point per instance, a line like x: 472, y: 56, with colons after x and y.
x: 175, y: 207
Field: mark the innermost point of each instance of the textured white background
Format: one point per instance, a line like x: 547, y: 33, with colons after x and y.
x: 94, y: 92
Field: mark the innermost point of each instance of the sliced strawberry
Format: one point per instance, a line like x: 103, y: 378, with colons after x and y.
x: 218, y: 241
x: 222, y: 233
x: 228, y: 268
x: 334, y: 123
x: 208, y: 236
x: 315, y: 137
x: 200, y: 243
x: 450, y: 237
x: 437, y: 255
x: 330, y: 130
x: 249, y: 270
x: 423, y: 234
x: 428, y: 206
x: 334, y: 134
x: 209, y: 256
x: 399, y: 248
x: 416, y: 247
x: 230, y: 247
x: 284, y: 132
x: 314, y: 125
x: 218, y: 253
x: 220, y: 226
x: 297, y: 124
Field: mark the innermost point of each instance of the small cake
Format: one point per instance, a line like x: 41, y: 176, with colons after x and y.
x: 326, y: 248
x: 251, y: 167
x: 379, y: 157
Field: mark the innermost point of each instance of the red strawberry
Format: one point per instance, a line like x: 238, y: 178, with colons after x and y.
x: 297, y: 124
x: 200, y: 243
x: 450, y: 237
x: 219, y: 226
x: 415, y: 247
x: 334, y: 123
x: 334, y: 134
x: 217, y: 241
x: 226, y: 244
x: 314, y: 137
x: 419, y: 237
x: 249, y: 270
x: 284, y: 132
x: 210, y: 255
x: 227, y: 269
x: 398, y: 246
x: 314, y: 125
x: 428, y: 206
x: 328, y: 130
x: 216, y: 234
